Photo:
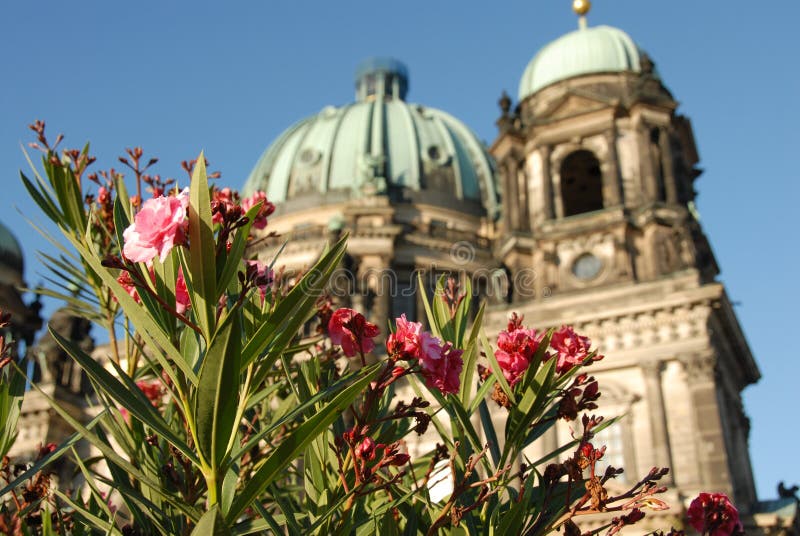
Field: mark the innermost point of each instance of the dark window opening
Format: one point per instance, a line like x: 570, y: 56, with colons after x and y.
x: 581, y: 183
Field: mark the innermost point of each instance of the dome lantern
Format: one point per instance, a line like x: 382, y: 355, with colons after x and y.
x: 381, y: 78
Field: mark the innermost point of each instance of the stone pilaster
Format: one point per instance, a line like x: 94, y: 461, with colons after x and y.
x: 700, y: 372
x: 668, y: 163
x: 660, y: 446
x: 612, y: 186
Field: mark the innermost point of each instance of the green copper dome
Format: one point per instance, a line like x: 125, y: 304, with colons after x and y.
x: 379, y: 145
x: 10, y: 250
x: 599, y: 49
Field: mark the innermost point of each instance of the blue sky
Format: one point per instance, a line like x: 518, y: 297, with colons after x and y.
x: 177, y: 77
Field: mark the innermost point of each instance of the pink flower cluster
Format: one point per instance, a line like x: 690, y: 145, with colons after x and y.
x: 517, y: 346
x: 441, y: 364
x: 227, y: 203
x: 572, y: 349
x: 267, y: 208
x: 350, y: 330
x: 157, y: 228
x: 715, y: 515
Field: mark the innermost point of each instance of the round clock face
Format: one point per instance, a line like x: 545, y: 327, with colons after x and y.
x: 587, y: 266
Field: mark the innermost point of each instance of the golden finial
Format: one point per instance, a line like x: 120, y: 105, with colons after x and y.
x: 581, y: 7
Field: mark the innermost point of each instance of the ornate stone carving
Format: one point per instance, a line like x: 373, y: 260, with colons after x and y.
x: 699, y: 367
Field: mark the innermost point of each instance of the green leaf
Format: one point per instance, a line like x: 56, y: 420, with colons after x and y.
x: 87, y: 518
x: 12, y: 390
x: 217, y: 392
x: 42, y: 199
x: 434, y: 327
x: 296, y: 412
x: 296, y: 442
x: 153, y: 335
x: 495, y: 366
x: 46, y: 460
x: 489, y: 432
x: 292, y: 311
x: 212, y: 523
x: 114, y: 457
x: 470, y: 357
x: 202, y: 250
x: 126, y: 393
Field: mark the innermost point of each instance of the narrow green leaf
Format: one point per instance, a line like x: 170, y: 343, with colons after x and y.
x: 152, y: 334
x: 296, y: 442
x: 211, y: 524
x: 470, y: 359
x: 88, y: 518
x: 215, y: 405
x: 114, y: 457
x: 495, y: 366
x: 125, y: 392
x: 42, y: 199
x: 428, y: 311
x: 46, y: 460
x: 202, y: 250
x: 296, y: 411
x: 12, y: 390
x: 489, y: 431
x: 292, y: 311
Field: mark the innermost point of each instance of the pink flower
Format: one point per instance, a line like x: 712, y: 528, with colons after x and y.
x: 103, y: 196
x: 405, y: 341
x: 442, y: 369
x: 715, y: 515
x: 350, y: 330
x: 156, y: 228
x: 127, y: 283
x: 182, y: 300
x: 441, y: 364
x: 152, y: 390
x: 261, y: 275
x: 572, y: 348
x: 366, y: 449
x: 267, y: 208
x: 513, y: 365
x: 223, y: 198
x: 516, y: 348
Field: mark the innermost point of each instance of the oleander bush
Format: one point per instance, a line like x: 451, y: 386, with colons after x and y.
x: 236, y: 401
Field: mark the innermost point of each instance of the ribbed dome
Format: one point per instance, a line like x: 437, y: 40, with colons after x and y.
x: 599, y: 49
x: 378, y: 145
x: 10, y: 250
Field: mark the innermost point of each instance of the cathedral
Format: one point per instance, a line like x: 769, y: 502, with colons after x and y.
x: 580, y: 212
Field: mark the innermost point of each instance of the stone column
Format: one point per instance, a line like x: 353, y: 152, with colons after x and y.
x: 646, y: 171
x: 613, y: 194
x: 547, y: 185
x: 522, y: 188
x: 555, y: 185
x: 660, y: 448
x: 514, y: 198
x: 668, y: 164
x: 709, y: 439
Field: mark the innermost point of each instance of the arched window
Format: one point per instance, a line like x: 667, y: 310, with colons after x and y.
x: 581, y: 183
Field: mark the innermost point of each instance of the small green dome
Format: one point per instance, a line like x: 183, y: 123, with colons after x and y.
x: 379, y: 145
x: 10, y: 250
x: 598, y: 49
